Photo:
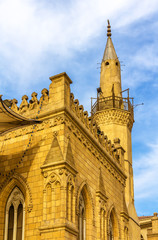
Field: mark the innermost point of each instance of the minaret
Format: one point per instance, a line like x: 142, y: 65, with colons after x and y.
x: 114, y: 113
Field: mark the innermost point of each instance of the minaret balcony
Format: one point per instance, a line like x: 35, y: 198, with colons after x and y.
x: 115, y: 102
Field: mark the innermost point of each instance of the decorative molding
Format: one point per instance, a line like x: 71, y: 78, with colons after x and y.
x: 24, y: 183
x: 16, y: 197
x: 116, y: 116
x: 52, y: 179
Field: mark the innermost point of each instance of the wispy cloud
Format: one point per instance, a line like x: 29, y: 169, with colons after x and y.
x: 146, y: 170
x: 33, y: 30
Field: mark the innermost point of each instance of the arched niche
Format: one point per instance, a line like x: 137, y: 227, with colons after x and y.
x: 85, y: 211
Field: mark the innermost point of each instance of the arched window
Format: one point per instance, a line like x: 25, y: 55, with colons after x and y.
x: 82, y: 218
x: 85, y: 211
x: 126, y: 233
x: 113, y: 226
x: 15, y: 216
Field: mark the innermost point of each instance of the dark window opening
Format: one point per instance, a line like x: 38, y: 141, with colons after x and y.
x: 11, y: 223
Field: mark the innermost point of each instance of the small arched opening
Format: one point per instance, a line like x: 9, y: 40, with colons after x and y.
x: 85, y: 214
x: 113, y: 226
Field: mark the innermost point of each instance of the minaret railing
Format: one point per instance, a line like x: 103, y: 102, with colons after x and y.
x: 102, y: 103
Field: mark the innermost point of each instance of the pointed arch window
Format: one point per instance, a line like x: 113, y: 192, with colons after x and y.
x: 126, y: 233
x: 113, y: 226
x: 15, y: 216
x: 82, y: 218
x: 111, y: 229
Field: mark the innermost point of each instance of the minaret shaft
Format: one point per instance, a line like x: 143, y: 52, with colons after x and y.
x: 110, y: 78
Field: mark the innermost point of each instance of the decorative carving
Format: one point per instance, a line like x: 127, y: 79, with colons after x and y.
x: 115, y: 116
x: 24, y: 104
x: 44, y: 98
x: 33, y: 101
x: 52, y: 179
x: 15, y: 198
x: 45, y: 174
x: 81, y: 109
x: 63, y: 171
x: 14, y: 106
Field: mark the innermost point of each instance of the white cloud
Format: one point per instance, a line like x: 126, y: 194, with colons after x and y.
x: 31, y: 29
x: 146, y: 169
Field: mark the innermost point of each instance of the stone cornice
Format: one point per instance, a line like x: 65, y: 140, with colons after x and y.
x: 58, y: 165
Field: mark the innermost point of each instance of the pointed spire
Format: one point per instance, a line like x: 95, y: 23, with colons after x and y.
x: 109, y: 52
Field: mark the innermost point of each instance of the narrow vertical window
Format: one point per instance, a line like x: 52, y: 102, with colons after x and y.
x: 111, y: 228
x: 11, y: 223
x: 72, y: 206
x: 19, y: 222
x: 82, y: 219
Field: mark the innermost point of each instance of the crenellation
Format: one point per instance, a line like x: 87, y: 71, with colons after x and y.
x: 95, y: 130
x: 34, y: 101
x: 81, y: 110
x: 76, y: 102
x: 85, y: 113
x: 101, y: 138
x: 45, y: 97
x: 90, y: 123
x: 14, y: 106
x: 24, y: 104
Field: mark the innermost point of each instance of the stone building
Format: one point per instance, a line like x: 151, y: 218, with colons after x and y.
x: 149, y: 227
x: 69, y: 175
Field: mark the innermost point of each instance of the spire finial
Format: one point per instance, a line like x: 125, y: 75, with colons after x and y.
x: 108, y: 29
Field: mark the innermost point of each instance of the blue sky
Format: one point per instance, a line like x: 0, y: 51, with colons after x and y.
x: 42, y: 38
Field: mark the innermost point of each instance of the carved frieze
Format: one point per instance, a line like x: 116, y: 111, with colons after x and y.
x: 115, y: 116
